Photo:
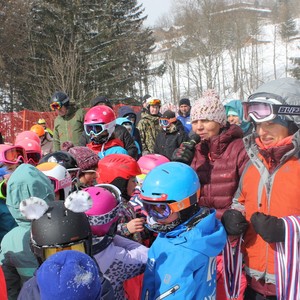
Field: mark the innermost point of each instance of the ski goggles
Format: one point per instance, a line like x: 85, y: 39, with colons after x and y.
x: 154, y: 102
x: 95, y: 129
x: 48, y: 251
x: 33, y: 158
x: 13, y: 155
x: 159, y: 210
x: 55, y: 105
x: 166, y: 122
x: 263, y: 107
x: 60, y: 184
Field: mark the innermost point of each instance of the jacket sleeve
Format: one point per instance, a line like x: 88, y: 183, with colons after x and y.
x: 122, y: 134
x: 56, y: 142
x: 242, y: 160
x: 84, y: 139
x: 142, y: 129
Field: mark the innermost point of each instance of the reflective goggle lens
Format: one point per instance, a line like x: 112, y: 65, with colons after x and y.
x: 154, y: 102
x: 33, y: 157
x: 259, y: 111
x: 164, y: 122
x: 14, y: 155
x: 78, y: 247
x: 158, y: 211
x: 55, y: 105
x: 93, y: 129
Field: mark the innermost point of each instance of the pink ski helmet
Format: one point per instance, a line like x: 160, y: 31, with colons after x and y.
x: 105, y: 209
x: 33, y: 150
x: 27, y: 135
x: 150, y: 161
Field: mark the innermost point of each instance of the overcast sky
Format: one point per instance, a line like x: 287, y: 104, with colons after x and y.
x: 155, y: 9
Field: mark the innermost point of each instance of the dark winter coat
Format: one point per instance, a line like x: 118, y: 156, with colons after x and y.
x: 219, y: 163
x: 123, y: 112
x: 167, y: 141
x: 122, y: 134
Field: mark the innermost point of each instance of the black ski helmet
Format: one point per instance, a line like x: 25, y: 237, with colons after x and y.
x: 63, y: 158
x: 60, y: 229
x: 60, y: 97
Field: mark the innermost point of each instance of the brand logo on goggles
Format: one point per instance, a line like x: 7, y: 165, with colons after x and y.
x: 291, y: 110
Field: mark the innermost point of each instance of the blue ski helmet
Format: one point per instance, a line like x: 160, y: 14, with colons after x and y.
x: 172, y: 182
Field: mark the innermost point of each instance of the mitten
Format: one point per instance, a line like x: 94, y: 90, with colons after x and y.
x: 234, y: 222
x: 270, y: 228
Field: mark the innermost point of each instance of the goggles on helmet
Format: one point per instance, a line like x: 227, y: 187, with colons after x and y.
x: 47, y: 251
x: 154, y: 102
x: 33, y: 158
x: 160, y: 210
x: 60, y: 184
x: 263, y: 107
x: 55, y: 105
x: 166, y: 122
x: 95, y: 129
x: 14, y: 155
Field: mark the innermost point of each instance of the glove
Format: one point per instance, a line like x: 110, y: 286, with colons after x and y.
x: 234, y: 222
x: 270, y: 228
x: 185, y: 153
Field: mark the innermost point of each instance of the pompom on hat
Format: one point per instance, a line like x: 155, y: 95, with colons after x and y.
x: 86, y: 159
x: 209, y: 107
x: 69, y: 275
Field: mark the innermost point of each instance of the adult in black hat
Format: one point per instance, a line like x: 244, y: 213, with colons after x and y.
x: 184, y: 114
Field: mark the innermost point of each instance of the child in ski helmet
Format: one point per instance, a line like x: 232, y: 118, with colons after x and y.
x: 33, y: 150
x: 110, y: 250
x: 60, y: 178
x: 58, y: 227
x: 189, y: 239
x: 121, y: 170
x: 45, y: 138
x: 99, y: 125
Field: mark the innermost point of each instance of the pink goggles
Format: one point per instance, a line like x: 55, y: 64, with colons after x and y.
x: 13, y: 155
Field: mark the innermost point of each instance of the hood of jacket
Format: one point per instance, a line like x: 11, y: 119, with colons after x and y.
x: 125, y: 110
x: 237, y: 106
x: 27, y: 181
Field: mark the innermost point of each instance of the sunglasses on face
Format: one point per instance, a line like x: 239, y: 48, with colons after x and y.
x: 55, y: 106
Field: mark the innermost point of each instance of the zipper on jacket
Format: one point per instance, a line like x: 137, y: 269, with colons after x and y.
x: 168, y: 292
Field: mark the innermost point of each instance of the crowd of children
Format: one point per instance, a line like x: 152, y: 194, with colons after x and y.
x: 183, y: 216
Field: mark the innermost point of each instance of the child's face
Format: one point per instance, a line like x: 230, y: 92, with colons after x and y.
x: 172, y: 217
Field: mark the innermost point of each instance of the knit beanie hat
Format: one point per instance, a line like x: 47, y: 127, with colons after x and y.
x: 209, y: 107
x: 85, y: 157
x: 69, y: 275
x: 184, y: 101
